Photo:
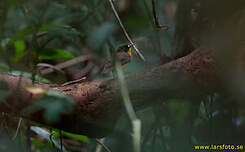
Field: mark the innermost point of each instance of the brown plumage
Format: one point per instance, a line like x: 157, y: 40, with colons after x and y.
x: 123, y: 54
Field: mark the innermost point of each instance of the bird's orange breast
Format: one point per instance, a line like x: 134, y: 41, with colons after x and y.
x: 129, y: 52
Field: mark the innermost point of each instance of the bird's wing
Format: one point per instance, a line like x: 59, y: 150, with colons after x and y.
x: 107, y: 67
x: 124, y: 58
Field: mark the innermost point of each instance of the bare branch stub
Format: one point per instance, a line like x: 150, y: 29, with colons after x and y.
x: 155, y: 18
x: 66, y: 64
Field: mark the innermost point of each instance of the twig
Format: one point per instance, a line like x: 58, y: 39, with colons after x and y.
x: 74, y: 81
x: 136, y: 123
x: 50, y: 67
x: 67, y: 64
x: 99, y: 146
x: 17, y: 130
x: 41, y: 34
x: 125, y: 94
x: 158, y: 25
x: 103, y: 145
x: 124, y: 30
x: 51, y: 139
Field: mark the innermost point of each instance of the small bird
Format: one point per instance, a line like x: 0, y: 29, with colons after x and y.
x: 123, y: 55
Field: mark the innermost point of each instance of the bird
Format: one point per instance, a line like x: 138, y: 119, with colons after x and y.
x: 123, y: 55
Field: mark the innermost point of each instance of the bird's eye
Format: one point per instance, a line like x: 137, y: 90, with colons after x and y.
x: 130, y: 45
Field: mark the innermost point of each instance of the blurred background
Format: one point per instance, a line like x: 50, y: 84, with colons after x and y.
x: 37, y: 38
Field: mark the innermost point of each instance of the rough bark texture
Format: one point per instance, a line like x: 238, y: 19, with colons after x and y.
x: 98, y: 102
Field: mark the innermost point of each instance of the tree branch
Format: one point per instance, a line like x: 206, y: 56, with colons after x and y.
x: 97, y: 102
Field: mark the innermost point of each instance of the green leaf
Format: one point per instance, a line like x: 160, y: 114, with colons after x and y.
x: 77, y: 137
x: 37, y: 143
x: 29, y: 75
x: 46, y: 135
x: 45, y: 27
x: 19, y: 50
x: 21, y: 34
x: 55, y: 104
x: 4, y: 91
x: 52, y: 54
x: 41, y: 79
x: 203, y: 112
x: 179, y: 110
